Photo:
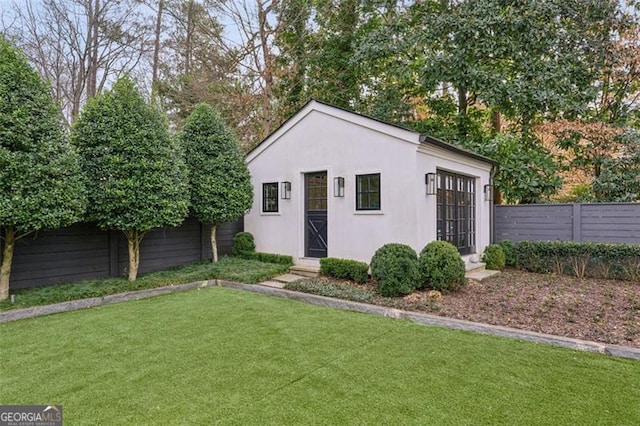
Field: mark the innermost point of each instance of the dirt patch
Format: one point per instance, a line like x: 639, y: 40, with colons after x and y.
x: 605, y: 311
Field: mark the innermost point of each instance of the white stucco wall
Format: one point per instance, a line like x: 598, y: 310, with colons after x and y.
x: 323, y: 138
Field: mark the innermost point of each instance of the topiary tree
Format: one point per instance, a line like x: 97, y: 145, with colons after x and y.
x: 394, y: 266
x: 441, y: 267
x: 221, y: 189
x: 40, y: 181
x: 135, y: 171
x: 494, y: 257
x: 243, y: 243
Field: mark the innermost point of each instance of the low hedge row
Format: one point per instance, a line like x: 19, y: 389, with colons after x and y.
x: 582, y: 259
x: 280, y: 259
x: 345, y: 269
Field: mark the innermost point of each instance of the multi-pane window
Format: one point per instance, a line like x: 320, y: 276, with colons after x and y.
x: 456, y: 211
x: 270, y: 197
x: 368, y: 192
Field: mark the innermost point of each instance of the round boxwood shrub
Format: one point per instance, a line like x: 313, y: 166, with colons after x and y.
x: 494, y: 257
x: 243, y: 243
x: 394, y: 266
x: 509, y: 249
x: 441, y: 267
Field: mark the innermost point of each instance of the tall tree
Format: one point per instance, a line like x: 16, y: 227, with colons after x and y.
x: 221, y: 189
x: 40, y: 182
x: 80, y: 45
x: 135, y: 170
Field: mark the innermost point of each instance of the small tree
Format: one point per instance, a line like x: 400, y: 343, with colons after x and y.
x: 40, y: 182
x: 221, y: 189
x: 135, y: 170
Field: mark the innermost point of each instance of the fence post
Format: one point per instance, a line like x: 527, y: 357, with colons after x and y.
x: 577, y: 222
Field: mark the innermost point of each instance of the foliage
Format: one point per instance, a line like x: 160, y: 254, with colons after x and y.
x: 323, y: 287
x: 494, y: 257
x: 620, y: 177
x: 220, y: 183
x: 441, y: 267
x: 40, y: 182
x: 394, y: 266
x: 527, y: 172
x: 582, y: 259
x: 345, y: 269
x: 136, y: 176
x: 243, y: 243
x: 279, y: 259
x: 221, y: 189
x: 228, y: 268
x: 509, y: 250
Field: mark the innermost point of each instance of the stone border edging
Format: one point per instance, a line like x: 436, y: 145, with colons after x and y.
x: 452, y: 323
x: 72, y: 305
x: 313, y: 299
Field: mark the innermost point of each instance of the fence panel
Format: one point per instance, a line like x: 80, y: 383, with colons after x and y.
x: 83, y: 251
x: 596, y: 222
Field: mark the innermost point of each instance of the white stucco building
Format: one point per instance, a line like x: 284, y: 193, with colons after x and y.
x: 330, y: 182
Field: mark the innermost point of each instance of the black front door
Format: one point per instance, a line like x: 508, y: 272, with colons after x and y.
x: 315, y: 201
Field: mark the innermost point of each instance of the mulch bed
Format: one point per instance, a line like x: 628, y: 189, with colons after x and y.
x: 599, y: 310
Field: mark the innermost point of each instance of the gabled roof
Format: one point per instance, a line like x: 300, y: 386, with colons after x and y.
x: 396, y: 130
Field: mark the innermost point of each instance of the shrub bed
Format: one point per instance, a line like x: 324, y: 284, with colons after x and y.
x: 394, y: 266
x: 345, y: 269
x: 581, y: 259
x: 441, y: 267
x: 323, y: 287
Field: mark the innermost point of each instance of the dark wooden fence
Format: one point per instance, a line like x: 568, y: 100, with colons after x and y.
x: 597, y: 222
x: 83, y: 251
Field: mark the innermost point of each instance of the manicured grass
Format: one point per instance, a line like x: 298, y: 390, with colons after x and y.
x: 219, y: 355
x: 227, y: 268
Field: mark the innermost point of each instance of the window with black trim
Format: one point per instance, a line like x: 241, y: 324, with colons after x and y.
x: 368, y: 192
x: 456, y: 210
x: 270, y: 197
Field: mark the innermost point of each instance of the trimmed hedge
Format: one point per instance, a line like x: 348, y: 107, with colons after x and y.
x: 243, y: 242
x: 394, y: 266
x: 344, y: 269
x: 494, y: 257
x: 581, y: 259
x: 441, y: 267
x: 508, y: 247
x: 280, y: 259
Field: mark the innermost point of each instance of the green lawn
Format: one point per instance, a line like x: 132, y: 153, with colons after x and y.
x: 218, y: 355
x: 227, y: 268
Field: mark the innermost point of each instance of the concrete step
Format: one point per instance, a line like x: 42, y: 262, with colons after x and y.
x: 470, y: 266
x: 480, y: 274
x: 305, y: 270
x: 287, y: 278
x: 274, y: 284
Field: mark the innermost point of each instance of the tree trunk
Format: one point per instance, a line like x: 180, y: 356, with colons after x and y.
x: 156, y: 50
x: 94, y: 23
x: 214, y: 243
x: 134, y: 238
x: 7, y: 258
x: 496, y: 122
x: 188, y: 49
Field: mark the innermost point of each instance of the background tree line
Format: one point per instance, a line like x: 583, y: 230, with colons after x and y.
x: 548, y: 88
